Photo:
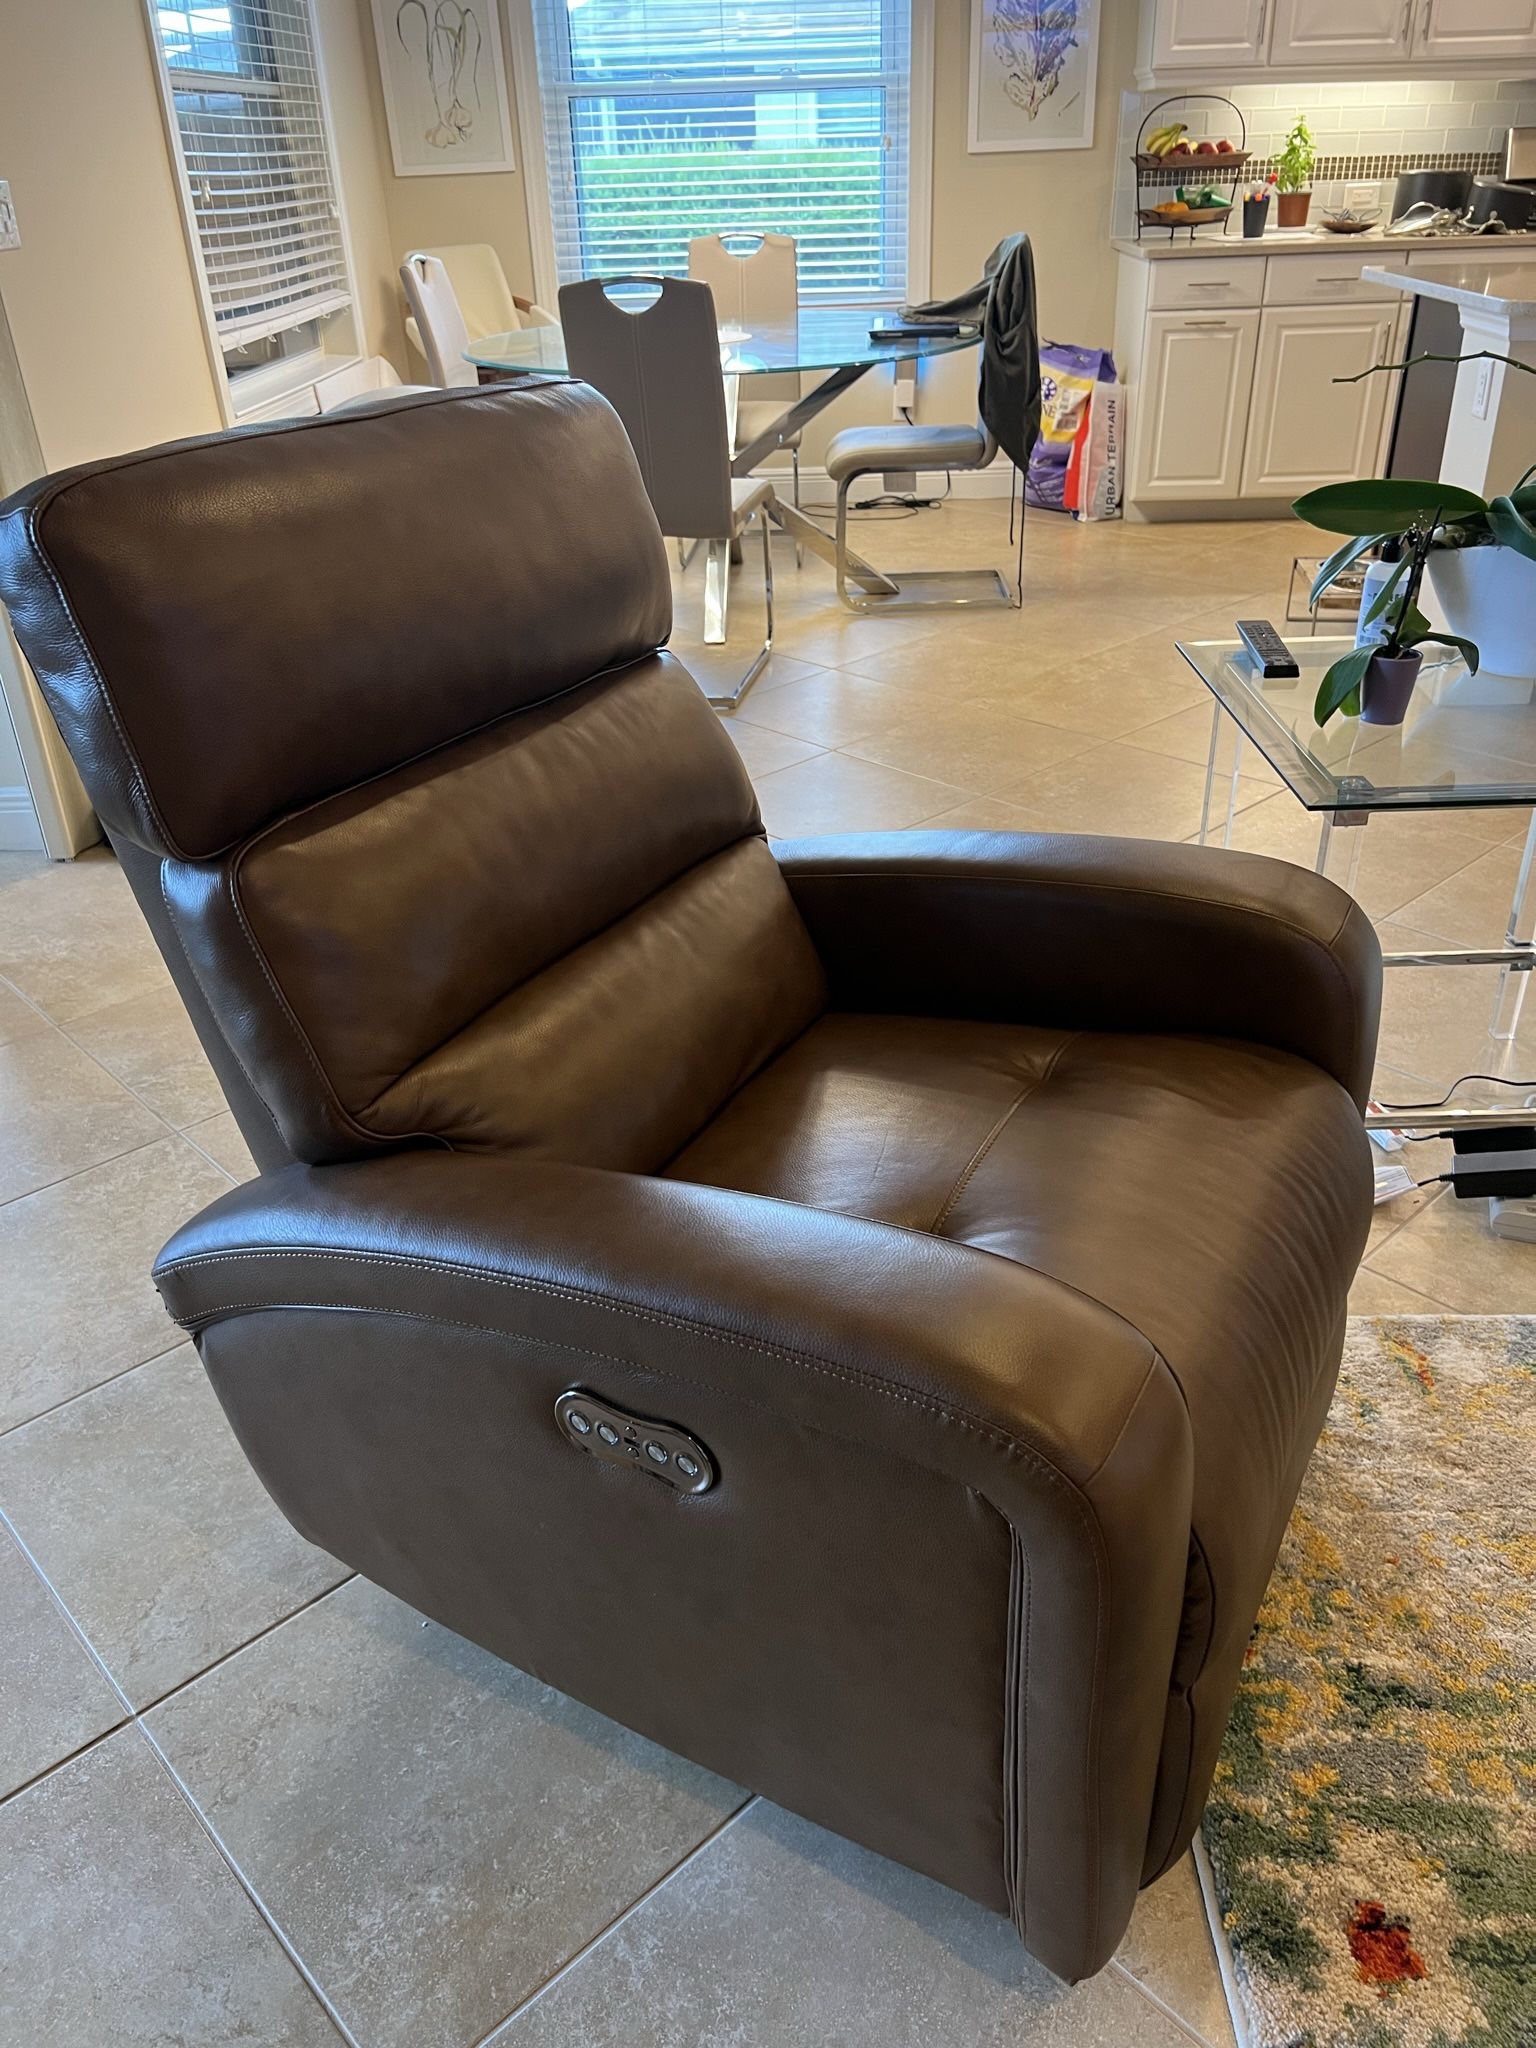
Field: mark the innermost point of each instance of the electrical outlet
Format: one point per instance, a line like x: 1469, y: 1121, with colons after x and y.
x: 1480, y: 391
x: 10, y: 233
x: 904, y: 391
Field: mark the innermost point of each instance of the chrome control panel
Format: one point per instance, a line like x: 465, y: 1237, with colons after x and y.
x: 659, y: 1449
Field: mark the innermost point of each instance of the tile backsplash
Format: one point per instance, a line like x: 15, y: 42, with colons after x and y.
x: 1364, y: 133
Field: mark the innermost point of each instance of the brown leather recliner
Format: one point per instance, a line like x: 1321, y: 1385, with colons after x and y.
x: 971, y: 1215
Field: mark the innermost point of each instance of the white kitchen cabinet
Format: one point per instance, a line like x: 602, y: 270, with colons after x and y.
x: 1207, y: 35
x: 1303, y: 428
x: 1342, y: 32
x: 1476, y: 30
x: 1193, y: 400
x: 1190, y: 42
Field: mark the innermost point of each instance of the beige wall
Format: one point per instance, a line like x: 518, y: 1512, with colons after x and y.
x: 427, y: 212
x: 351, y: 78
x: 1062, y: 197
x: 101, y: 296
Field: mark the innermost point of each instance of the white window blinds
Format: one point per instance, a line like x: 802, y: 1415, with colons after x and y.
x: 253, y: 141
x: 666, y: 119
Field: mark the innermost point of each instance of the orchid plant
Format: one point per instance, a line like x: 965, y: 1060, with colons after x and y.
x: 1414, y: 513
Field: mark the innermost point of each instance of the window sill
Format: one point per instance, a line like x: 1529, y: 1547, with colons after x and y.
x: 257, y: 390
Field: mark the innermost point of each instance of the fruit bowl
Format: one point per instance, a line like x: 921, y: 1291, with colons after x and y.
x: 1173, y: 215
x: 1220, y: 160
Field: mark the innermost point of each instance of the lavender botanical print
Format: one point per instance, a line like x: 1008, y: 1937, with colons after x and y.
x: 1033, y: 73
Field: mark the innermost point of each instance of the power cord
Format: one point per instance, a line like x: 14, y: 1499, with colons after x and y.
x: 1440, y: 1101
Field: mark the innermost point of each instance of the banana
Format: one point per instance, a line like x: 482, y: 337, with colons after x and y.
x: 1161, y: 140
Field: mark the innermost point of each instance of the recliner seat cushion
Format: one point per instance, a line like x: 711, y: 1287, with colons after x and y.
x: 1191, y: 1185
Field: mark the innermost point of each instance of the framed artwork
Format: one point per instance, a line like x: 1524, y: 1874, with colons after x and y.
x: 1034, y: 66
x: 445, y: 86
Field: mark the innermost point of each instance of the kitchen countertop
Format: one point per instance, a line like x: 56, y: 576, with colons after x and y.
x: 1510, y: 291
x: 1309, y: 241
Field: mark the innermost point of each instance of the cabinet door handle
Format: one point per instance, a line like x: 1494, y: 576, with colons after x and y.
x: 1215, y: 284
x: 1207, y: 323
x: 1258, y: 34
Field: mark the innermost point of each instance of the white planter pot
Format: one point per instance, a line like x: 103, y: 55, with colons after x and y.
x: 1488, y: 595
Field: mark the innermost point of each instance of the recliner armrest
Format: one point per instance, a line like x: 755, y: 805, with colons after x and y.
x: 1085, y: 933
x: 1014, y: 1386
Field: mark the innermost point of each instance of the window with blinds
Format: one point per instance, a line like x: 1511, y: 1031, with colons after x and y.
x: 253, y: 141
x: 666, y: 119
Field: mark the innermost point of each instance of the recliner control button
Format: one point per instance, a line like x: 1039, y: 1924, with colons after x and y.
x: 661, y: 1450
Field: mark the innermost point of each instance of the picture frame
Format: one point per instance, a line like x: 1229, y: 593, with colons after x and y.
x: 1034, y: 72
x: 444, y: 75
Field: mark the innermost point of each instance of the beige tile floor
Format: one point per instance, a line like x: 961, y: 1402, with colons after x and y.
x: 245, y: 1796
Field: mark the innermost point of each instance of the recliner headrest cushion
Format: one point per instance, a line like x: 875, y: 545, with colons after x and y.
x: 427, y: 567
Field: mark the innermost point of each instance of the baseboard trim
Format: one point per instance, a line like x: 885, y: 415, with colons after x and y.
x: 19, y: 829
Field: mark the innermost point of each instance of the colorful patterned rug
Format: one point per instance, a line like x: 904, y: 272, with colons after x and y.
x: 1371, y: 1836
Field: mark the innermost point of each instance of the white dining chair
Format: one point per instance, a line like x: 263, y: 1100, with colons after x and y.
x: 487, y: 301
x: 439, y: 319
x: 755, y: 278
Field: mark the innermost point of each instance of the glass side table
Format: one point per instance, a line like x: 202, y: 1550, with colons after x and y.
x: 1468, y: 742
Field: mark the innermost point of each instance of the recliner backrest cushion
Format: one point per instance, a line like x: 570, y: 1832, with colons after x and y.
x: 452, y: 851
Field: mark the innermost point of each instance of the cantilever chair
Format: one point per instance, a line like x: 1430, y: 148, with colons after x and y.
x: 866, y: 451
x: 659, y: 367
x: 754, y: 276
x: 856, y: 1311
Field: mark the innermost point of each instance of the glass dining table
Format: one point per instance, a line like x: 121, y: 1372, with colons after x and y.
x: 833, y: 343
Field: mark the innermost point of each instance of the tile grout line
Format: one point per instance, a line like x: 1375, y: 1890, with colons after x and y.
x: 573, y: 1961
x: 1161, y: 2004
x: 114, y: 1728
x: 111, y: 1380
x: 111, y: 1159
x: 136, y: 1714
x: 134, y: 1720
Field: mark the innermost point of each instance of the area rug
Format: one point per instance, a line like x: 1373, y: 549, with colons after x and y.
x: 1371, y: 1836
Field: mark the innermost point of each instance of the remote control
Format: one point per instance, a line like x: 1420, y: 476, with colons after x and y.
x: 1274, y: 658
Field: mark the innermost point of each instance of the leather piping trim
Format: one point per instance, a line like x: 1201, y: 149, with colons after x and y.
x: 1024, y: 884
x: 967, y: 1172
x: 285, y: 1010
x: 191, y: 967
x: 138, y: 787
x: 1171, y: 1845
x: 1016, y: 1731
x: 555, y: 1291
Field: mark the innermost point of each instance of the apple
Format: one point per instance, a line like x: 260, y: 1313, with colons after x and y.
x: 1181, y: 149
x: 1205, y: 149
x: 1224, y: 148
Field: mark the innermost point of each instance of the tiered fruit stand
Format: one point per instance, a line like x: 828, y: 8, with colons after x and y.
x: 1213, y: 169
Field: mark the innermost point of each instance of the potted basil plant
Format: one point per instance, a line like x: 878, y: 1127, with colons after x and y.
x: 1293, y: 169
x: 1375, y: 681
